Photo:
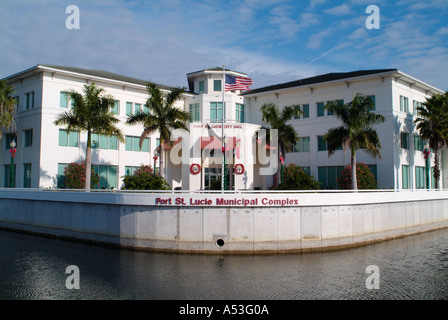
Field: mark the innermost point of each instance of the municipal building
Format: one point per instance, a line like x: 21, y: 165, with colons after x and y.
x: 194, y: 160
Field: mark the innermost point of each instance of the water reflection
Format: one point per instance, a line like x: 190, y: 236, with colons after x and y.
x: 33, y: 267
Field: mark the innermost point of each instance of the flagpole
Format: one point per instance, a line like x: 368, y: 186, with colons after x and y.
x: 223, y: 88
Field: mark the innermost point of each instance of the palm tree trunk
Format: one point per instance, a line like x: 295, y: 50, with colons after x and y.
x: 88, y: 161
x: 436, y: 167
x: 162, y: 151
x: 353, y: 164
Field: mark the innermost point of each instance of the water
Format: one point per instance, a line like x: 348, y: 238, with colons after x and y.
x: 33, y: 267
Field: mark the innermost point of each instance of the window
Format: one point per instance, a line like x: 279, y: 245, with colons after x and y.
x: 320, y: 109
x: 28, y: 138
x: 239, y: 117
x: 217, y: 85
x: 133, y: 144
x: 29, y: 100
x: 307, y: 170
x: 194, y: 112
x: 303, y: 145
x: 68, y: 139
x: 330, y: 112
x: 404, y: 104
x: 129, y: 171
x: 8, y: 139
x: 63, y: 99
x: 419, y: 143
x: 405, y: 176
x: 328, y: 176
x: 103, y: 141
x: 201, y: 86
x: 416, y: 104
x: 129, y: 111
x: 27, y: 175
x: 215, y: 111
x: 60, y: 177
x: 7, y: 175
x: 420, y: 180
x: 321, y: 144
x: 373, y: 101
x: 116, y: 107
x: 305, y: 111
x: 108, y: 176
x: 17, y: 103
x: 405, y: 140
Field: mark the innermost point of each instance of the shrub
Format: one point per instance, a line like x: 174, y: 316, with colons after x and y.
x: 145, y: 179
x: 295, y: 178
x: 364, y: 176
x: 75, y: 176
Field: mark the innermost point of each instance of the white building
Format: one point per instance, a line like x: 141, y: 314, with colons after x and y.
x: 43, y: 149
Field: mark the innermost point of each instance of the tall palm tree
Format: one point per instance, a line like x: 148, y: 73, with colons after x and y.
x: 162, y: 116
x: 7, y: 104
x: 432, y: 124
x: 91, y: 113
x: 287, y: 135
x: 356, y: 131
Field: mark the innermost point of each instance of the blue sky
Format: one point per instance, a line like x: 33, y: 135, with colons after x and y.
x: 273, y: 41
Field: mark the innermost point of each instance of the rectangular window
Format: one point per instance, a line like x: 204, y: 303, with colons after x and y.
x: 405, y: 140
x: 116, y: 107
x: 320, y: 109
x: 29, y: 100
x: 373, y: 102
x: 420, y: 178
x: 17, y: 103
x: 60, y: 178
x: 129, y: 170
x: 217, y: 85
x: 63, y: 99
x: 201, y: 86
x: 7, y: 175
x: 328, y: 176
x: 129, y: 111
x: 104, y: 142
x: 215, y: 111
x: 194, y: 112
x: 321, y: 144
x: 303, y: 145
x: 307, y: 170
x: 8, y: 139
x: 404, y: 104
x: 239, y: 117
x: 27, y: 175
x: 304, y: 111
x: 108, y: 176
x: 133, y: 144
x: 419, y: 143
x: 137, y: 108
x: 68, y: 140
x: 416, y: 104
x: 28, y: 138
x: 405, y: 176
x: 373, y: 169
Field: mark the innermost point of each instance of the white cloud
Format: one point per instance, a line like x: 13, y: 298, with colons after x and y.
x: 315, y: 40
x: 343, y: 9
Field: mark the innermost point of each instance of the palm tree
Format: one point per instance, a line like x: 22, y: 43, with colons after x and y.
x: 91, y: 113
x: 287, y: 135
x: 356, y: 131
x: 6, y: 106
x: 432, y: 124
x: 162, y: 116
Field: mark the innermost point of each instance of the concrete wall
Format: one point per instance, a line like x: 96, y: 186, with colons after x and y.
x: 319, y: 222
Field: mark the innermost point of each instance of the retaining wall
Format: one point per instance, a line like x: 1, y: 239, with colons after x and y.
x: 307, y: 222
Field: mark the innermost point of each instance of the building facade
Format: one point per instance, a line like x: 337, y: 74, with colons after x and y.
x: 195, y: 160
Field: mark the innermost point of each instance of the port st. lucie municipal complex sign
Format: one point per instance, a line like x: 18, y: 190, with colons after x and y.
x: 218, y: 200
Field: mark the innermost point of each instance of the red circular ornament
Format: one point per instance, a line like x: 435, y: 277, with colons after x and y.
x: 195, y: 168
x: 239, y: 168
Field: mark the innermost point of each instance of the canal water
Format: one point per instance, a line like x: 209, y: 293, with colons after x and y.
x: 414, y: 267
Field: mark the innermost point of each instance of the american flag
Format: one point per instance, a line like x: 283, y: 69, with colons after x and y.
x: 237, y: 83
